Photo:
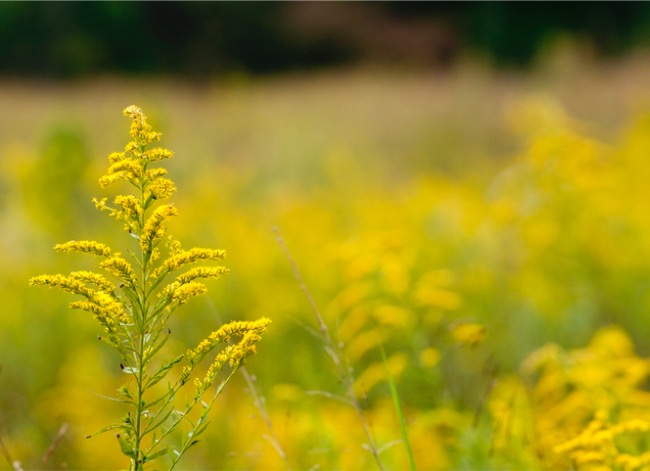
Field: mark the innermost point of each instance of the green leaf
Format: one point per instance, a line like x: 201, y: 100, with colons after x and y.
x: 398, y: 409
x: 162, y: 372
x: 156, y: 455
x: 126, y: 446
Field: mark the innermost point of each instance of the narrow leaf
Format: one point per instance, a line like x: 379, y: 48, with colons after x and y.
x: 398, y: 409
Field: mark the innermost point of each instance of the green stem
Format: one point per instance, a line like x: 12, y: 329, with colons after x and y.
x: 140, y: 401
x: 141, y: 326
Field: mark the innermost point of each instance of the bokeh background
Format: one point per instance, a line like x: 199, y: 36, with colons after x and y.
x: 464, y: 185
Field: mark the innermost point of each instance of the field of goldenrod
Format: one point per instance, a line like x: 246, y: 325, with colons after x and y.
x: 489, y: 232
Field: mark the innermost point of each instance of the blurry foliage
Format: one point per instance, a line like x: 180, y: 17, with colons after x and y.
x: 510, y: 292
x: 207, y: 38
x: 62, y: 163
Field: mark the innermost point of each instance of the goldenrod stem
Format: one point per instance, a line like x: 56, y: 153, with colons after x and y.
x: 141, y: 327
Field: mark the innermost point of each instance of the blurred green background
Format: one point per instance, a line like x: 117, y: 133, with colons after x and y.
x: 464, y: 183
x: 61, y: 39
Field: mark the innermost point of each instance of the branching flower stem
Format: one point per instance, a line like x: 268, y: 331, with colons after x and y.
x: 135, y: 310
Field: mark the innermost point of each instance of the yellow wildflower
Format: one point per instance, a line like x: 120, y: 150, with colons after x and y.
x: 162, y: 188
x: 134, y: 324
x: 106, y: 309
x: 184, y: 257
x: 88, y: 246
x: 214, y: 369
x: 120, y: 269
x: 101, y: 204
x: 116, y: 157
x: 234, y: 354
x: 94, y: 278
x: 224, y: 334
x: 192, y: 274
x: 183, y: 293
x: 154, y: 228
x: 245, y: 348
x: 66, y: 283
x: 126, y: 169
x: 140, y: 130
x: 158, y: 153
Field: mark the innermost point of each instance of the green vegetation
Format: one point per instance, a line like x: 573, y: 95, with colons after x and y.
x: 487, y: 232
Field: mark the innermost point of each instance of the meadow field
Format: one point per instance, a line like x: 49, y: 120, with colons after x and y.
x: 476, y: 242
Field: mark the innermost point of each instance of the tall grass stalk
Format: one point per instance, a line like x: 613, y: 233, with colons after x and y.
x: 134, y: 302
x: 333, y: 350
x: 398, y: 409
x: 260, y: 404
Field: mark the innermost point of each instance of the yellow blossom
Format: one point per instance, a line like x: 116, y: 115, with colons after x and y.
x: 224, y: 334
x: 100, y: 204
x: 162, y: 188
x: 184, y: 257
x: 158, y: 153
x: 130, y: 205
x: 120, y: 269
x: 154, y: 228
x: 67, y: 283
x: 140, y: 130
x: 94, y: 278
x: 88, y: 246
x: 106, y: 309
x: 183, y: 293
x: 192, y: 274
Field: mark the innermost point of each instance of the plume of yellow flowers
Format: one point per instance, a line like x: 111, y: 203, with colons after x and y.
x: 134, y: 308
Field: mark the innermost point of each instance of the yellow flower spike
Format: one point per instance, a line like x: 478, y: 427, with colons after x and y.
x: 106, y: 309
x: 192, y: 274
x: 158, y: 153
x: 162, y: 188
x: 120, y: 269
x: 131, y: 208
x: 250, y: 333
x: 125, y: 169
x: 133, y: 112
x: 224, y: 335
x: 183, y: 293
x: 114, y: 157
x: 110, y: 179
x: 140, y: 130
x: 66, y: 283
x: 87, y: 246
x: 245, y: 348
x: 94, y: 278
x: 154, y: 228
x: 195, y: 354
x: 185, y: 257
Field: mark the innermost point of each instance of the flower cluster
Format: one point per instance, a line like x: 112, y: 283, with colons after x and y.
x: 135, y: 310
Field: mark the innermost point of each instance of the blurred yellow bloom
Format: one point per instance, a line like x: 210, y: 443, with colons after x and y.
x: 364, y: 342
x: 376, y: 372
x: 429, y: 357
x: 392, y: 315
x: 467, y: 333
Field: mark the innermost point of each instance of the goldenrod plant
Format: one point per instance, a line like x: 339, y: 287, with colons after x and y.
x: 133, y: 302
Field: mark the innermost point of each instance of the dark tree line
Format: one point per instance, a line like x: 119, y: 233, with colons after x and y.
x: 77, y: 38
